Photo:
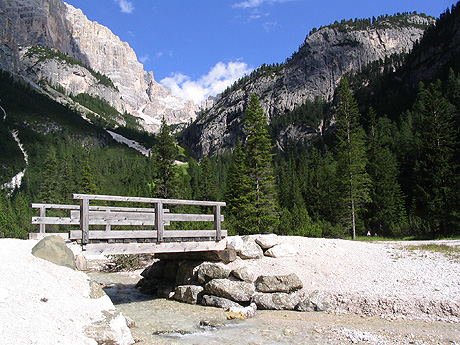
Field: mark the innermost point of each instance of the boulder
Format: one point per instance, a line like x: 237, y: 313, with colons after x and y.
x: 243, y: 312
x: 286, y: 284
x: 234, y: 290
x: 243, y: 273
x: 188, y: 293
x: 250, y: 249
x: 281, y: 250
x: 316, y: 301
x: 186, y: 272
x: 81, y: 263
x: 54, y: 249
x: 276, y: 301
x: 219, y: 302
x: 267, y: 241
x: 112, y: 330
x: 208, y: 271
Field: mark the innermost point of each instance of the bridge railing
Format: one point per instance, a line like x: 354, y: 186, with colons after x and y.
x: 157, y: 217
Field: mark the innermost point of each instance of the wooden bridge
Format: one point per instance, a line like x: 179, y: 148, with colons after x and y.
x: 150, y: 236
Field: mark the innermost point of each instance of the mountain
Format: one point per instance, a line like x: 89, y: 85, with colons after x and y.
x: 313, y: 71
x: 78, y: 56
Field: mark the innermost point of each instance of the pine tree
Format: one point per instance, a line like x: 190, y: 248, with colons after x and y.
x: 87, y: 183
x: 50, y: 188
x: 351, y: 157
x: 259, y: 212
x: 166, y: 173
x: 436, y: 170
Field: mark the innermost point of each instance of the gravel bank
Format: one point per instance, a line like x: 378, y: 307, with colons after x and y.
x: 372, y: 278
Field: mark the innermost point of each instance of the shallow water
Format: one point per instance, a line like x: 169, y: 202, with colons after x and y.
x: 162, y: 321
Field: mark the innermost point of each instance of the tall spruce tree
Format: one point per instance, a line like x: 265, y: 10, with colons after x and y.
x: 351, y: 156
x: 166, y: 173
x: 258, y: 210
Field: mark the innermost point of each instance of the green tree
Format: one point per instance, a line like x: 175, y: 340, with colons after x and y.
x: 166, y: 173
x: 87, y: 183
x: 257, y: 210
x: 436, y: 169
x: 50, y: 188
x: 351, y: 157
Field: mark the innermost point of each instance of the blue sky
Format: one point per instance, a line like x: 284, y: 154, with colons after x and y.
x: 198, y: 47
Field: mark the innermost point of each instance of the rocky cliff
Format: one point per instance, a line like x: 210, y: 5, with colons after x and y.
x: 314, y: 70
x: 55, y: 24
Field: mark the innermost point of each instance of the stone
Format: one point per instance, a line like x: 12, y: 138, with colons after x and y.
x: 186, y: 272
x: 250, y: 249
x: 315, y: 301
x: 288, y: 283
x: 276, y: 301
x: 188, y: 293
x: 218, y: 302
x: 243, y: 273
x: 81, y: 263
x: 112, y: 329
x: 244, y: 312
x: 95, y: 290
x: 234, y: 290
x: 54, y: 249
x: 208, y: 271
x: 267, y: 241
x: 280, y: 251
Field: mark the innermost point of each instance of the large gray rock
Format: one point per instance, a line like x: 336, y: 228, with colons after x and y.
x: 219, y: 302
x: 186, y: 272
x: 243, y: 273
x: 234, y: 290
x: 276, y: 301
x: 208, y: 271
x: 54, y: 249
x: 250, y: 249
x: 267, y: 241
x: 288, y: 283
x: 188, y: 293
x: 315, y: 301
x: 112, y: 330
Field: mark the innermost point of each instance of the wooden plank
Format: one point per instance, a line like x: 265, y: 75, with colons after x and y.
x: 119, y: 248
x: 217, y: 222
x: 84, y: 221
x: 188, y: 217
x: 42, y: 226
x: 55, y: 220
x: 56, y: 206
x: 39, y: 236
x: 136, y: 234
x: 159, y: 222
x: 104, y: 215
x: 147, y: 200
x: 140, y: 248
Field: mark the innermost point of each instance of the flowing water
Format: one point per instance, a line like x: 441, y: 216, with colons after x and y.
x: 162, y: 321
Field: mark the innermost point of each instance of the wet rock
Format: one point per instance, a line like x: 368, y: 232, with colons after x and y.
x: 188, y: 293
x: 54, y: 249
x: 280, y: 251
x: 218, y: 302
x: 111, y: 330
x: 288, y: 283
x: 211, y: 324
x: 243, y: 273
x: 209, y: 271
x: 234, y: 290
x: 267, y: 241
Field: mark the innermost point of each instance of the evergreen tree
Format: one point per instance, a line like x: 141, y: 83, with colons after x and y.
x: 386, y: 210
x: 436, y: 170
x: 166, y: 173
x: 351, y: 156
x: 207, y: 185
x: 50, y: 188
x: 87, y: 183
x: 260, y: 211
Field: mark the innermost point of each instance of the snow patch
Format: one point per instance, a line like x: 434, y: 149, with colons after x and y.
x: 131, y: 143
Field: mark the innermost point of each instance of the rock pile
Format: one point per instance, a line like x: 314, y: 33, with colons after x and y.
x: 238, y: 289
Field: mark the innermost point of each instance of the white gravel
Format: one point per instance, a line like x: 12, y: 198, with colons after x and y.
x: 43, y: 303
x: 372, y: 278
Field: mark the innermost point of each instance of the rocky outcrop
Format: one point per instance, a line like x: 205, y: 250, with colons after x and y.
x: 55, y: 24
x: 315, y: 70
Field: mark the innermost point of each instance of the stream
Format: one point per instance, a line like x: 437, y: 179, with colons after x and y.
x: 162, y: 321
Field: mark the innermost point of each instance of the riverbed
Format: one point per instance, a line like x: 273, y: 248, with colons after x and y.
x: 163, y: 321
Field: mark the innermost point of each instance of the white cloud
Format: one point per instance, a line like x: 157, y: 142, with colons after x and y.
x: 255, y: 3
x: 125, y: 6
x: 217, y: 80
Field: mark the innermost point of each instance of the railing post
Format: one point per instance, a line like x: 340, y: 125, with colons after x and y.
x: 108, y: 227
x: 41, y: 227
x: 84, y: 221
x: 217, y: 224
x: 159, y: 224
